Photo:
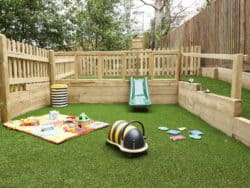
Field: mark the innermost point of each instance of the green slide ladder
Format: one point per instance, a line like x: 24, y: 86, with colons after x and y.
x: 139, y: 95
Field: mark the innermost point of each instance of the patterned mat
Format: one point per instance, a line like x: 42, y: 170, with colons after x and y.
x: 56, y: 131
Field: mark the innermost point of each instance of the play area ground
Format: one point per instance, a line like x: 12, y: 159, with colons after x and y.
x: 216, y: 160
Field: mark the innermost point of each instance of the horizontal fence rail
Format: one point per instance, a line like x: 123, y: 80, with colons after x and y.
x: 237, y: 61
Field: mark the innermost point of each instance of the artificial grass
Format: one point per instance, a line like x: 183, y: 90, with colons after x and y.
x: 214, y: 161
x: 223, y: 88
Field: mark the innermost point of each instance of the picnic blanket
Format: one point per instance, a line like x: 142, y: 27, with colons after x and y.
x: 56, y: 131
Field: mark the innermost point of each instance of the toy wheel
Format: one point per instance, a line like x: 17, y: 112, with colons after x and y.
x: 107, y: 143
x: 130, y: 155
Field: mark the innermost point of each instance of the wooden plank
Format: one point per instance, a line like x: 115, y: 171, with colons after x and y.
x: 27, y: 80
x: 210, y: 56
x: 178, y: 67
x: 124, y: 66
x: 4, y: 81
x: 100, y: 67
x: 65, y: 75
x: 242, y: 26
x: 18, y: 55
x: 237, y: 77
x: 77, y: 66
x: 151, y: 65
x: 65, y: 60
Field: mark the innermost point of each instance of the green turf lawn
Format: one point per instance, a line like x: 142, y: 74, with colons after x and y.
x: 223, y: 88
x: 214, y: 161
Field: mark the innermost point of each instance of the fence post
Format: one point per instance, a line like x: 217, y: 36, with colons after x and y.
x: 237, y: 76
x: 4, y: 80
x: 77, y: 65
x: 124, y: 66
x: 151, y: 65
x: 52, y: 67
x: 100, y: 67
x: 178, y: 66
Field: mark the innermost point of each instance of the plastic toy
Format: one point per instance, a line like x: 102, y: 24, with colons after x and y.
x: 83, y: 117
x: 177, y: 137
x: 196, y: 132
x: 174, y: 132
x: 191, y: 80
x: 196, y: 137
x: 29, y: 122
x: 127, y: 137
x: 206, y: 90
x: 181, y: 128
x: 53, y: 115
x: 139, y: 93
x: 163, y: 128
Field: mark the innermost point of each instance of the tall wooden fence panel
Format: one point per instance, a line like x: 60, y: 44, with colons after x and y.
x: 223, y: 27
x: 25, y: 78
x: 26, y: 64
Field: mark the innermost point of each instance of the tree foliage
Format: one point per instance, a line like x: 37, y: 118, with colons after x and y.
x: 65, y: 24
x: 101, y: 27
x: 36, y: 22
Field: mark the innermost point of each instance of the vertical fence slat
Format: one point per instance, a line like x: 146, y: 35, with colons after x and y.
x: 151, y: 65
x: 100, y: 67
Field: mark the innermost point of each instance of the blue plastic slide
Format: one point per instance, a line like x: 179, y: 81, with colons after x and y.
x: 139, y: 95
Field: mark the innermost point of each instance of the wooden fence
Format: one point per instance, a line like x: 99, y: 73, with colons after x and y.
x: 26, y: 72
x: 122, y: 64
x: 237, y: 64
x: 222, y: 28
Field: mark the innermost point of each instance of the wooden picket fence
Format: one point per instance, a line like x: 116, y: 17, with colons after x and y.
x: 26, y: 64
x: 121, y: 64
x: 27, y: 72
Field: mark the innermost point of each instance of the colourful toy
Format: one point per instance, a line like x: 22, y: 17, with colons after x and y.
x: 174, y: 132
x: 29, y: 122
x: 163, y: 128
x: 177, y: 137
x: 206, y: 90
x: 182, y: 128
x: 83, y: 117
x: 196, y: 137
x: 191, y: 80
x: 53, y: 115
x: 196, y: 132
x: 127, y: 137
x: 139, y: 93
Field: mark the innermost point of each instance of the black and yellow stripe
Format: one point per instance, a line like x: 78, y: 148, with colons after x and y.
x: 115, y: 133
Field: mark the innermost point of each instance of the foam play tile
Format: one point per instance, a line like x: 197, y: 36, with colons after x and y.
x: 174, y: 132
x: 163, y: 128
x: 181, y: 128
x: 196, y: 132
x: 196, y: 137
x: 177, y: 137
